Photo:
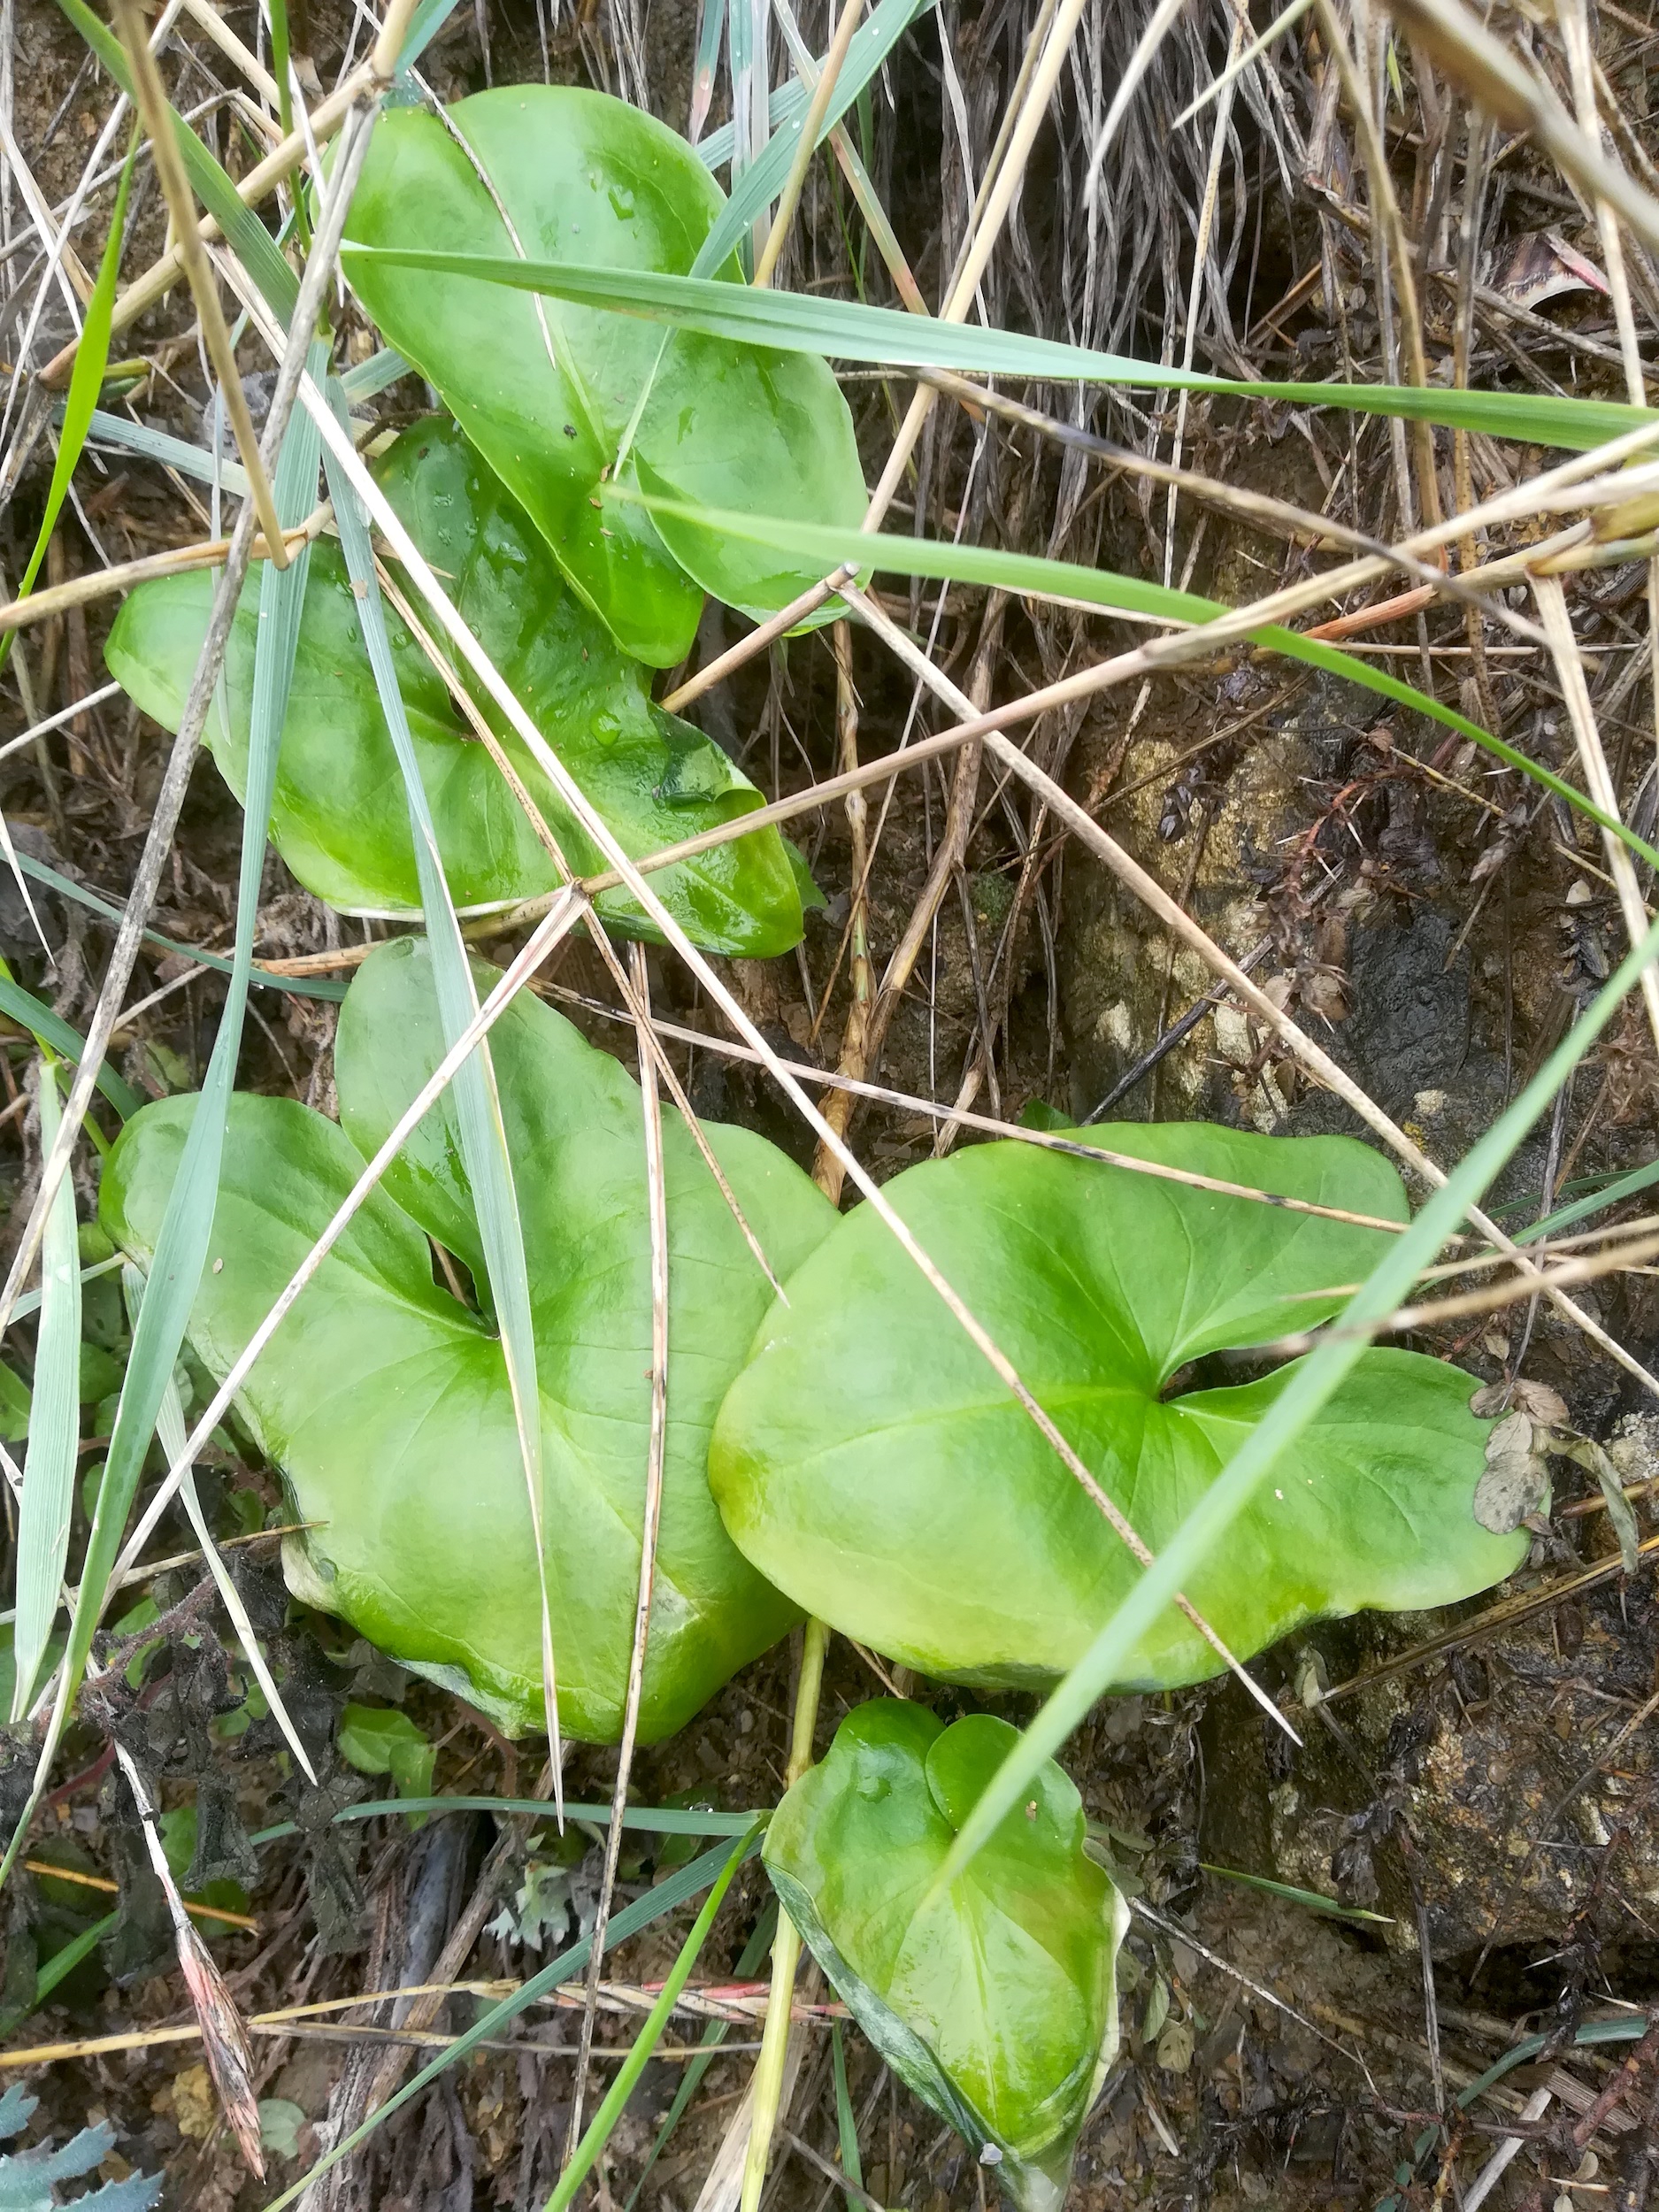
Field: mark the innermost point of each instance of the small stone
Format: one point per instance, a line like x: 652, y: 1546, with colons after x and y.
x: 1578, y: 891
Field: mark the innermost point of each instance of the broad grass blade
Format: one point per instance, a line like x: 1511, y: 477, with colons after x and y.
x: 48, y: 1465
x: 871, y: 45
x: 710, y: 28
x: 1315, y: 1380
x: 848, y: 330
x: 182, y: 1249
x: 297, y: 986
x: 1640, y: 1179
x: 171, y: 452
x: 483, y: 1135
x: 50, y: 1029
x: 1036, y: 577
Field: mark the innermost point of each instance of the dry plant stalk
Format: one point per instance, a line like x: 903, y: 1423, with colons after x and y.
x: 153, y: 106
x: 827, y: 1169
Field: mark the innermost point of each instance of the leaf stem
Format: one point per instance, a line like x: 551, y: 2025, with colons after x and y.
x: 786, y: 1950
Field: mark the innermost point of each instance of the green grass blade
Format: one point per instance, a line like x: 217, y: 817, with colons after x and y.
x: 296, y: 985
x: 1640, y: 1179
x: 86, y: 380
x: 374, y: 376
x: 872, y: 43
x: 672, y: 1891
x: 429, y: 19
x: 752, y: 1957
x: 846, y: 2120
x: 251, y: 241
x: 49, y: 1465
x: 603, y: 2121
x: 762, y: 181
x: 174, y: 453
x: 62, y: 1964
x: 710, y: 28
x: 187, y: 1227
x: 29, y: 1303
x: 1030, y: 573
x: 48, y: 1029
x: 1312, y: 1384
x: 1310, y: 1900
x: 667, y: 1820
x: 848, y: 330
x: 478, y: 1104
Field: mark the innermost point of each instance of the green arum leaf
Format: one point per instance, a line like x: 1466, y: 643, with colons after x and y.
x: 380, y: 1739
x: 385, y: 1401
x: 341, y: 817
x: 995, y: 1997
x: 548, y: 392
x: 848, y: 330
x: 868, y: 1462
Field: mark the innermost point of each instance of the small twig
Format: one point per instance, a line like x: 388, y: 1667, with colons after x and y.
x: 51, y: 1872
x: 102, y: 583
x: 774, y: 626
x: 826, y: 1171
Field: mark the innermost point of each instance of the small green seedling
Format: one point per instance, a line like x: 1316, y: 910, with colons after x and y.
x: 380, y: 1739
x: 994, y: 1998
x: 384, y: 1399
x: 868, y: 1462
x: 339, y: 818
x: 561, y: 400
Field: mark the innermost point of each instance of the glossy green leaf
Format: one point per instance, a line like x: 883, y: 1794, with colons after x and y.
x: 994, y: 1997
x: 869, y: 1461
x: 341, y: 816
x: 1265, y: 1448
x: 385, y: 1401
x: 549, y: 392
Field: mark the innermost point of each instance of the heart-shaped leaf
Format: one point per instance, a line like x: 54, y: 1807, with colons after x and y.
x: 995, y: 1999
x: 869, y: 1461
x: 548, y: 392
x: 385, y: 1401
x: 341, y: 817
